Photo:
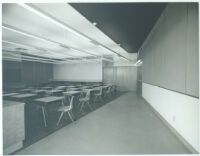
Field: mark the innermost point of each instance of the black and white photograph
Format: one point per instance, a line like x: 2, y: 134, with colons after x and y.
x: 100, y: 77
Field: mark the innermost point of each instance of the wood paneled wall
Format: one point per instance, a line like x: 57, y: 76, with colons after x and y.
x: 26, y: 72
x: 11, y: 72
x: 36, y: 72
x: 170, y: 53
x: 124, y: 77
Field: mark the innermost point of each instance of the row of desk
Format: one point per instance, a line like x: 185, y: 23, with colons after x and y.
x: 42, y: 96
x: 50, y: 94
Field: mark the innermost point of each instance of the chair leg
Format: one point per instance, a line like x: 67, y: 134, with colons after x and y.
x: 89, y: 105
x: 44, y: 117
x: 81, y: 107
x: 62, y: 113
x: 79, y: 104
x: 70, y: 116
x: 101, y: 99
x: 65, y: 116
x: 95, y: 98
x: 45, y: 111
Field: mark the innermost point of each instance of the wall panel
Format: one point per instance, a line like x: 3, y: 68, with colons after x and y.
x: 35, y: 72
x: 192, y: 67
x: 170, y: 52
x: 124, y: 77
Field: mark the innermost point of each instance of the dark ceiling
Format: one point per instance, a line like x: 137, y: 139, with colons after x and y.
x: 126, y: 23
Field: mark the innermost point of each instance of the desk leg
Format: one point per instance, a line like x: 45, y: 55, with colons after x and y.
x: 43, y: 112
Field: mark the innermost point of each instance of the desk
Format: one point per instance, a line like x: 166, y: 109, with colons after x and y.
x: 47, y: 100
x: 85, y: 87
x: 71, y: 86
x: 26, y: 90
x: 73, y: 89
x: 60, y: 87
x: 13, y: 126
x: 46, y: 88
x: 72, y: 92
x: 39, y: 91
x: 10, y: 94
x: 23, y: 96
x: 54, y: 91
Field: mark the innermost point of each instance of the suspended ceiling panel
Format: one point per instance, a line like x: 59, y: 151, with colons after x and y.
x: 77, y: 21
x: 41, y: 37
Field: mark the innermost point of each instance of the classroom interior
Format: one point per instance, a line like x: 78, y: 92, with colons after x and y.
x: 100, y: 78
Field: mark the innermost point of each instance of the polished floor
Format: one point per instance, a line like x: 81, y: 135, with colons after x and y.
x: 126, y: 125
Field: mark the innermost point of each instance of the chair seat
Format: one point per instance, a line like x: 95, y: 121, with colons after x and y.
x: 64, y: 108
x: 97, y: 94
x: 83, y: 99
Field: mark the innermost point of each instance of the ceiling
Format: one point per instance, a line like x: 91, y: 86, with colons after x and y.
x: 128, y: 24
x: 58, y: 33
x: 53, y: 33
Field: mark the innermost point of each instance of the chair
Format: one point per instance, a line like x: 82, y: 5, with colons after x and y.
x: 85, y: 100
x: 108, y: 92
x: 98, y: 95
x: 48, y: 93
x: 113, y: 90
x: 72, y: 89
x: 66, y: 109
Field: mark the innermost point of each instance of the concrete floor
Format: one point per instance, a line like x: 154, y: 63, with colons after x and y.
x: 127, y: 125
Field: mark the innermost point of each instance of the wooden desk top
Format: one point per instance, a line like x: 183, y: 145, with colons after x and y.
x: 84, y: 87
x: 54, y: 91
x: 39, y: 91
x: 49, y: 99
x: 46, y: 87
x: 26, y: 90
x: 92, y: 89
x: 7, y: 103
x: 23, y: 96
x: 72, y: 92
x: 73, y: 89
x: 61, y: 87
x: 10, y: 94
x: 104, y: 86
x: 71, y: 86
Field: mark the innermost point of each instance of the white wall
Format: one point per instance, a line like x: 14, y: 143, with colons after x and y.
x: 179, y: 110
x: 78, y: 72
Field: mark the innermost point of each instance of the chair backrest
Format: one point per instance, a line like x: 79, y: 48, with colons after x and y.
x: 48, y: 93
x: 87, y: 96
x: 72, y: 89
x: 108, y: 90
x: 100, y: 91
x: 112, y: 88
x: 71, y: 102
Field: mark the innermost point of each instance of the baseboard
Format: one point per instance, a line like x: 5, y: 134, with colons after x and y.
x: 186, y: 144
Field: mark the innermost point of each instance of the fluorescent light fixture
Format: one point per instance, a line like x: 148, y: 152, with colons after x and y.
x: 43, y: 39
x: 40, y: 49
x: 17, y: 44
x: 58, y: 23
x: 26, y: 34
x: 52, y: 19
